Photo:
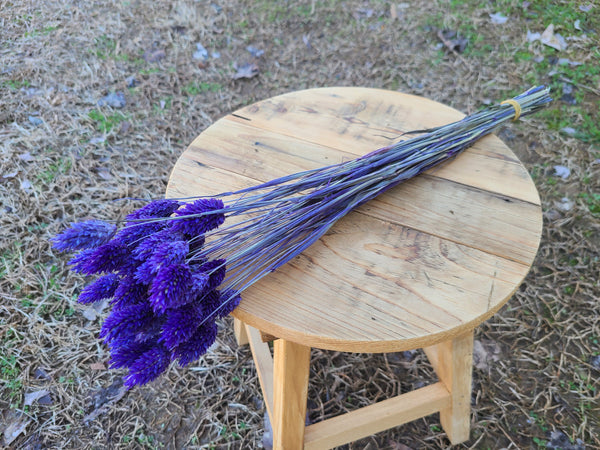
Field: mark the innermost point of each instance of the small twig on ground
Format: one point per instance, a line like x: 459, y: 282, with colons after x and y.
x: 579, y: 85
x: 450, y: 47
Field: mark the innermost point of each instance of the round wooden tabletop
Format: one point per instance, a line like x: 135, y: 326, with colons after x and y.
x: 428, y: 260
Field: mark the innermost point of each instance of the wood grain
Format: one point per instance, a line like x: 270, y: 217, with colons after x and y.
x: 378, y: 417
x: 454, y: 367
x: 291, y: 367
x: 239, y: 331
x: 360, y: 120
x: 428, y: 260
x: 263, y: 360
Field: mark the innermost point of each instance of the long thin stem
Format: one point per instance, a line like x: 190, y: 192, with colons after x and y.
x: 290, y: 213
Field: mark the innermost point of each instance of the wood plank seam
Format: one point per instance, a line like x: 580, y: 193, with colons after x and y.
x: 494, y: 250
x: 431, y: 174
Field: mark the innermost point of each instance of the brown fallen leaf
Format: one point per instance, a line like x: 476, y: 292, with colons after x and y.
x: 14, y: 425
x: 246, y: 70
x: 104, y: 398
x: 32, y: 397
x: 485, y: 353
x: 97, y: 366
x: 552, y: 39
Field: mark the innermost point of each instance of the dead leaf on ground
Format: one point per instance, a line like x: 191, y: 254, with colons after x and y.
x: 104, y: 173
x: 14, y: 425
x: 552, y: 39
x: 97, y: 366
x: 256, y: 52
x: 562, y: 171
x: 26, y: 157
x: 104, y: 398
x: 41, y: 374
x: 484, y: 353
x: 91, y: 312
x: 201, y: 53
x: 363, y: 13
x: 533, y: 36
x: 114, y: 100
x: 32, y: 397
x: 565, y: 204
x: 246, y: 70
x: 498, y: 18
x: 26, y: 185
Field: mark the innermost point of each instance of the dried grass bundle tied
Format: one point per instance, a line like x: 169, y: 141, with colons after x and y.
x: 175, y: 266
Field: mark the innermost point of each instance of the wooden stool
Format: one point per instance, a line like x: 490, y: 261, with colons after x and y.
x: 419, y: 267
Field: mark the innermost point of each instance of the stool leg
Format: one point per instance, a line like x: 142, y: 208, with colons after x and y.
x: 291, y: 363
x: 454, y: 368
x: 239, y: 330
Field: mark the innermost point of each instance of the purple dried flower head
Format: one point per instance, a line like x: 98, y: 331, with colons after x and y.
x: 152, y: 332
x: 229, y: 301
x: 109, y: 257
x: 216, y: 270
x: 126, y: 353
x: 148, y: 367
x: 129, y: 266
x: 103, y: 287
x: 134, y: 233
x: 211, y: 302
x: 84, y: 235
x: 217, y: 304
x: 196, y: 226
x: 124, y: 323
x: 165, y: 254
x: 155, y: 209
x: 170, y: 288
x: 196, y: 346
x: 148, y: 245
x: 79, y: 260
x: 200, y: 281
x: 180, y: 324
x: 129, y: 292
x: 170, y: 253
x: 145, y: 273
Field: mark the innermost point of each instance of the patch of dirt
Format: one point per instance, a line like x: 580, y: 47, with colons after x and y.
x: 97, y: 101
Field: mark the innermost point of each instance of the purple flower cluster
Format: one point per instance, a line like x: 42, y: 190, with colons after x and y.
x: 164, y: 296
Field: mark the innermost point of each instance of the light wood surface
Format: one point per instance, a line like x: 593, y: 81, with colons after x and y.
x: 454, y: 366
x: 263, y: 360
x: 291, y: 363
x: 426, y: 261
x: 239, y: 331
x: 378, y: 417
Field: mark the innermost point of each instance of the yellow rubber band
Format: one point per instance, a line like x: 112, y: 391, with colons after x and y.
x: 514, y: 104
